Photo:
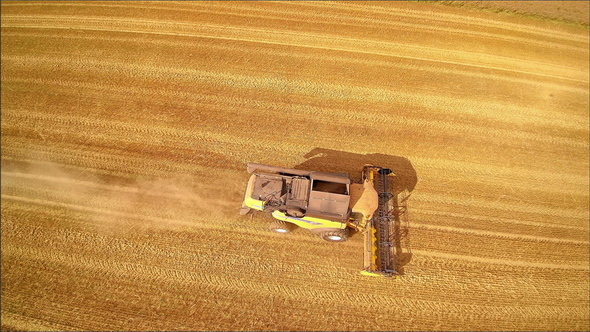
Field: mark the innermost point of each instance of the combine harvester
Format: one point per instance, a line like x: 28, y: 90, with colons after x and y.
x: 329, y: 205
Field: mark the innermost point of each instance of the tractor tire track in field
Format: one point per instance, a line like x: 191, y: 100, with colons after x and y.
x: 103, y: 267
x: 393, y: 19
x: 14, y: 116
x: 491, y: 133
x: 170, y: 274
x: 517, y: 237
x: 287, y: 38
x: 126, y: 128
x: 245, y: 47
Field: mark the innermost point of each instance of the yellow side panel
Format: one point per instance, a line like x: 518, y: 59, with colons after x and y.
x: 308, y: 222
x: 254, y: 203
x: 248, y: 200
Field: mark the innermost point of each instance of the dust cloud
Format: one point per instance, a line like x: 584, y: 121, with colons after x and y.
x: 110, y: 203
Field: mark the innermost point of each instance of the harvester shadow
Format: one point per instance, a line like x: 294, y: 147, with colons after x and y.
x: 328, y: 160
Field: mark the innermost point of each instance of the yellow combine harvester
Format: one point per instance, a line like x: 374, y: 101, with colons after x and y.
x: 329, y: 205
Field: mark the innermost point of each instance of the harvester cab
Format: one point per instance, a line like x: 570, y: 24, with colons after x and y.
x: 330, y: 205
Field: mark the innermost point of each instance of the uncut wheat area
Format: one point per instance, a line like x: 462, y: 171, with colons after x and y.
x: 127, y: 126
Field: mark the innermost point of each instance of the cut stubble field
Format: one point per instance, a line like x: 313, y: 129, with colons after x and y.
x: 126, y: 128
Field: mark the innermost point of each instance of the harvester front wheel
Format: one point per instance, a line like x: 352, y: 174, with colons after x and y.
x: 338, y: 235
x: 280, y: 226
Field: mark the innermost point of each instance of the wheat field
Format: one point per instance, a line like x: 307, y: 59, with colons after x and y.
x: 126, y: 128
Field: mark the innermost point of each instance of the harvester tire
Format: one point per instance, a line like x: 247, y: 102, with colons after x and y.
x: 338, y: 235
x: 280, y: 226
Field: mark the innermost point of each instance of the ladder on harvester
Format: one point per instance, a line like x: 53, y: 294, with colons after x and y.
x: 380, y: 236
